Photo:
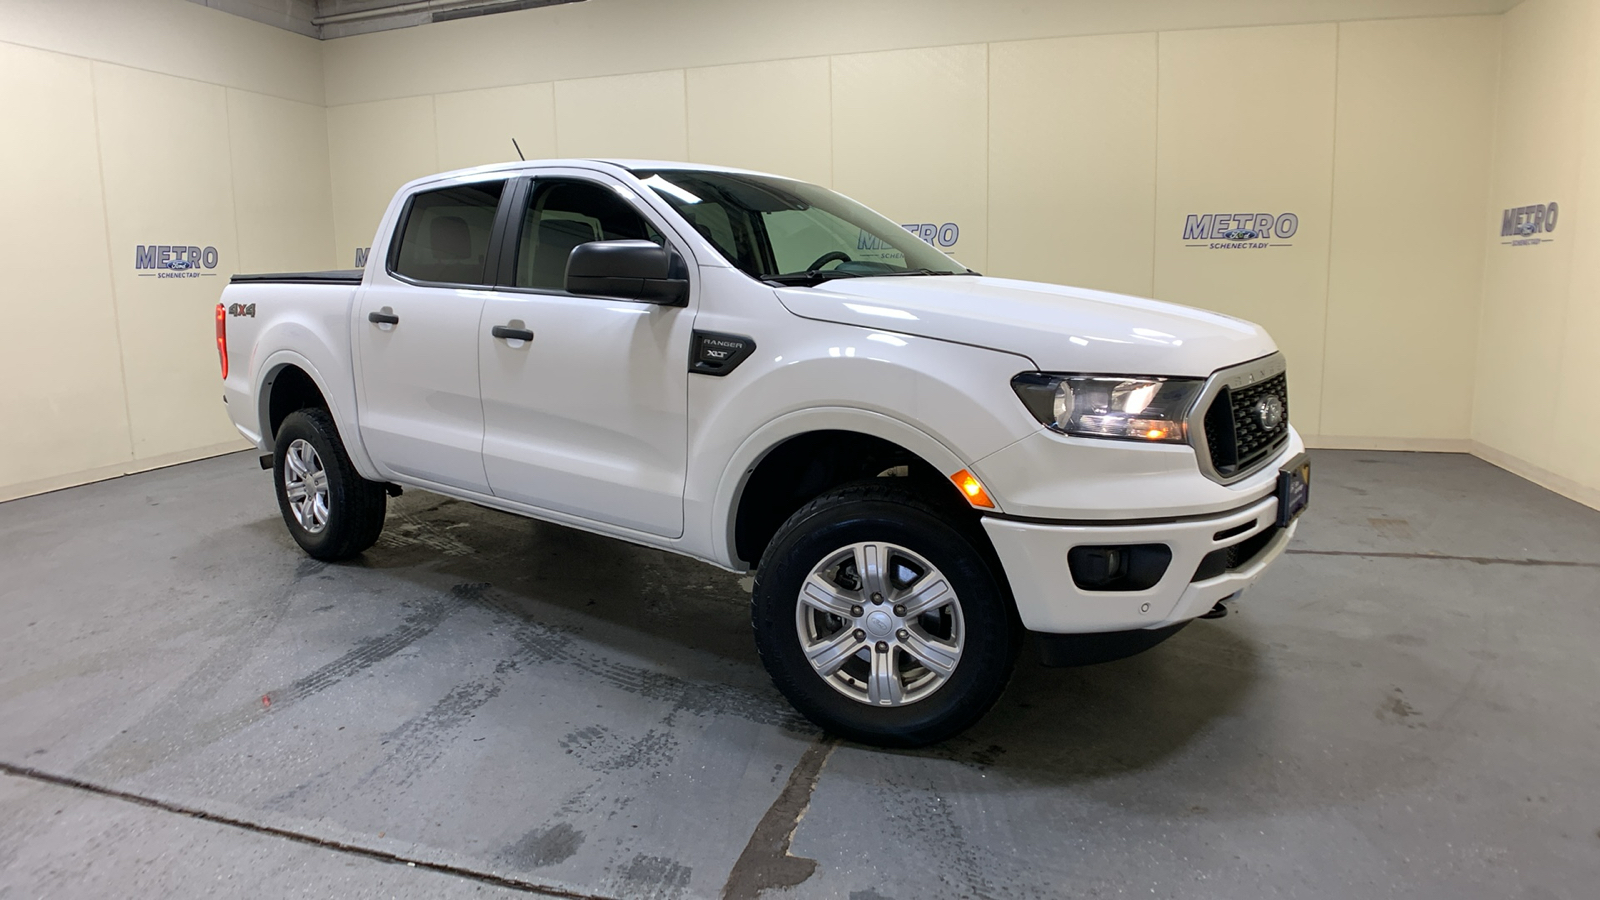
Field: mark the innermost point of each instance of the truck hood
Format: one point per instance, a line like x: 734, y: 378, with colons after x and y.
x: 1062, y: 329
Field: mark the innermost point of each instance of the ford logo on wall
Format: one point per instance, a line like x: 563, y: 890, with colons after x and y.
x: 1241, y: 234
x: 1269, y: 412
x: 178, y: 263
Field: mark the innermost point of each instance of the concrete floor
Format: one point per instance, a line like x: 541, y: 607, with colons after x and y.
x: 1408, y: 706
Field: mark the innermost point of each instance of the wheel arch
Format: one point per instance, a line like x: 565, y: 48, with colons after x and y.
x: 796, y: 457
x: 289, y: 381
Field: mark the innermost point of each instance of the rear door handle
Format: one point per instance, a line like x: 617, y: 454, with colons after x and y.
x: 505, y: 332
x: 381, y: 318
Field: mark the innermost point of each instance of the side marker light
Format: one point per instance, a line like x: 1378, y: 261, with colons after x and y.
x: 972, y: 489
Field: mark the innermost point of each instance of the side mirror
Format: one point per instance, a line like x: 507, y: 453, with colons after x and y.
x: 634, y: 270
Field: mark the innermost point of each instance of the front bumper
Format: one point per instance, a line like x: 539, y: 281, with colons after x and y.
x: 1048, y: 600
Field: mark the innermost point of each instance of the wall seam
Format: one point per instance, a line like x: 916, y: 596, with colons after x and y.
x: 111, y: 256
x: 833, y: 137
x: 1155, y: 176
x: 233, y: 173
x: 1491, y: 178
x: 988, y: 142
x: 1327, y: 273
x: 683, y: 75
x: 433, y: 109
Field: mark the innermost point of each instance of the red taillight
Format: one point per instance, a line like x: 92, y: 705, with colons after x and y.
x: 222, y: 337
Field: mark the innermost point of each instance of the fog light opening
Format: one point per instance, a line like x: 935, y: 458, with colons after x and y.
x: 1119, y: 567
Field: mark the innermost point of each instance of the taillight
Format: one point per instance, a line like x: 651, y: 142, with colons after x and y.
x: 222, y: 337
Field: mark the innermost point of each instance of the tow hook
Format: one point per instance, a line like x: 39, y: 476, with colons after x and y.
x: 1219, y: 610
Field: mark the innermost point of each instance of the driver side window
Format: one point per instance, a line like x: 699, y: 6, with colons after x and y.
x: 564, y: 213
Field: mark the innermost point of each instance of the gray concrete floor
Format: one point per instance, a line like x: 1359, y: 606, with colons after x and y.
x: 1408, y: 706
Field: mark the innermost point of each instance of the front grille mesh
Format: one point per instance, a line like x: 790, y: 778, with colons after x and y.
x: 1234, y: 434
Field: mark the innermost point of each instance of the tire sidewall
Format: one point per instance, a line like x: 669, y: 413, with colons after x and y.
x: 300, y: 426
x: 987, y: 654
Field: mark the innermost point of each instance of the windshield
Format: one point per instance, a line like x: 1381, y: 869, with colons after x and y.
x: 788, y: 231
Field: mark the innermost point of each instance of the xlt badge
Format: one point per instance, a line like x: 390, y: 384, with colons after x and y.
x: 712, y: 353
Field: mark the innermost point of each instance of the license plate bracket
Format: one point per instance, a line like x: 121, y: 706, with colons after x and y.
x: 1294, y: 489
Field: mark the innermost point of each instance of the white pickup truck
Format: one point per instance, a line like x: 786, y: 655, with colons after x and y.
x: 918, y: 462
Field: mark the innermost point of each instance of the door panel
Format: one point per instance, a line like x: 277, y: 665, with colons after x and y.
x: 589, y: 417
x: 421, y: 415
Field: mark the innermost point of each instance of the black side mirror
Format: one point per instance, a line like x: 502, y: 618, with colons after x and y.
x: 635, y: 270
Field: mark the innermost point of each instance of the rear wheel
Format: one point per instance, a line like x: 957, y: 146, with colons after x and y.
x: 331, y: 511
x: 879, y: 617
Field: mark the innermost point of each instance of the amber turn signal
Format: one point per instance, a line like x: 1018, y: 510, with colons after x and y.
x: 972, y: 489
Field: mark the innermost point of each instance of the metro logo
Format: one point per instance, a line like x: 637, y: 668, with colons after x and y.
x: 1522, y: 223
x: 944, y: 235
x: 174, y: 260
x: 1217, y: 226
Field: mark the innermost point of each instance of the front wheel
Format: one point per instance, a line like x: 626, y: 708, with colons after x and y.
x: 880, y: 619
x: 332, y: 512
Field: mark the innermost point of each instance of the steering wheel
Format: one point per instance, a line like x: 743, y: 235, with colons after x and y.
x: 828, y: 257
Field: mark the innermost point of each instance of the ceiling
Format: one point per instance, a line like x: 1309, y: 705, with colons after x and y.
x: 326, y: 19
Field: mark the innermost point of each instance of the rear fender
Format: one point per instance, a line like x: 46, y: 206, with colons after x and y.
x: 341, y: 402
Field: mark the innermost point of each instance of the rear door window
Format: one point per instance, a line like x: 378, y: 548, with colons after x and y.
x: 445, y: 236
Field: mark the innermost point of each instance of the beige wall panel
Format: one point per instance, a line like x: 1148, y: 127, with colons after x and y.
x: 167, y: 181
x: 1538, y: 153
x: 172, y: 36
x: 374, y: 148
x: 1576, y: 450
x: 475, y: 128
x: 281, y: 187
x: 59, y: 358
x: 771, y: 117
x: 582, y: 40
x: 1072, y: 157
x: 1411, y: 164
x: 1246, y: 127
x: 632, y: 116
x: 910, y: 138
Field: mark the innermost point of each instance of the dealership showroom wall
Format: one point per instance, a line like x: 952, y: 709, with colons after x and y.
x: 1405, y: 708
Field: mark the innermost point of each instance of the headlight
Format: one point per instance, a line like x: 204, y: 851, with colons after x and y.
x: 1109, y: 406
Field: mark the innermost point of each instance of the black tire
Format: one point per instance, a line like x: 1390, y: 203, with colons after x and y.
x: 356, y: 506
x: 882, y: 510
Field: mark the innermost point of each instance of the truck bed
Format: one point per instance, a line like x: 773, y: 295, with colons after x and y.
x: 333, y: 276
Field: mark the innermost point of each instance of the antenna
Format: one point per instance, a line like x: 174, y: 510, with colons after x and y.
x: 519, y: 150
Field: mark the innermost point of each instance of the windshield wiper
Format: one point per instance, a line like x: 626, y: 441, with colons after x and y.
x: 807, y: 279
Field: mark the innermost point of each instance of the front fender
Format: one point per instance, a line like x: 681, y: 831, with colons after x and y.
x: 948, y: 403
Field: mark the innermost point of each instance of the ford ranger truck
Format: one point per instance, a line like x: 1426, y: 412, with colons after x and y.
x: 919, y: 463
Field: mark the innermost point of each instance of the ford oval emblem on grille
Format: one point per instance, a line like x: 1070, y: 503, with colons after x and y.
x: 1269, y: 412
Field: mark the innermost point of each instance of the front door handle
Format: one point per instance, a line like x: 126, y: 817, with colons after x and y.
x: 506, y: 332
x: 383, y: 318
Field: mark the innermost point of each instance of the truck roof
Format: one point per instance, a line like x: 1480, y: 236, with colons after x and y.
x: 630, y: 165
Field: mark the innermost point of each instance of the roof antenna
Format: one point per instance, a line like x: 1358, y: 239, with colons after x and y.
x: 519, y: 150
